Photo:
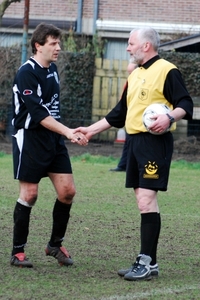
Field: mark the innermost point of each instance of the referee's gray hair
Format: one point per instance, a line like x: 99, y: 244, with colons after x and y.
x: 148, y: 34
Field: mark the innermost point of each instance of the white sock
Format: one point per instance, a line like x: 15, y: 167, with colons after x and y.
x: 22, y: 202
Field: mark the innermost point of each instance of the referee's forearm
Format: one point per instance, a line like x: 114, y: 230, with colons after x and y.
x: 99, y: 126
x: 178, y: 113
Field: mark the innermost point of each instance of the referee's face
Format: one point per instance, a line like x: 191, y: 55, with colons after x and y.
x: 48, y: 52
x: 136, y: 49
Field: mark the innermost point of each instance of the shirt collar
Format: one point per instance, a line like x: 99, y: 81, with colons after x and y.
x: 147, y: 64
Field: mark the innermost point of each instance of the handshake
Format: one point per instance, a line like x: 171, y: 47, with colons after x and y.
x: 81, y: 135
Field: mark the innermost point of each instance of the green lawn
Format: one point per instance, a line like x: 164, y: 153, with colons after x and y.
x: 103, y: 236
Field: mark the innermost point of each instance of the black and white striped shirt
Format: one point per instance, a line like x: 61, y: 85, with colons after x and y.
x: 35, y: 95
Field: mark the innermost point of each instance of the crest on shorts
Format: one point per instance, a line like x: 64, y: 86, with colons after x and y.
x: 151, y: 169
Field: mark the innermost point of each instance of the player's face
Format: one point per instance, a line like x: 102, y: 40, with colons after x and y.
x: 49, y: 51
x: 136, y: 49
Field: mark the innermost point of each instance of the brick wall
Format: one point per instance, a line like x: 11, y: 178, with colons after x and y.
x: 152, y: 11
x: 169, y: 11
x: 88, y: 8
x: 59, y: 9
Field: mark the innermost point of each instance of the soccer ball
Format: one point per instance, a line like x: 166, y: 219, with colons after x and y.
x: 152, y: 110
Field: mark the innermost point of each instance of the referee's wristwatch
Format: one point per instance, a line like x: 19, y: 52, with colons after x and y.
x: 172, y: 120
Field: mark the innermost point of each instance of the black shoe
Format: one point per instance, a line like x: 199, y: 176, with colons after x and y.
x: 139, y: 271
x: 117, y: 169
x: 61, y: 254
x: 20, y: 260
x: 153, y: 269
x: 123, y: 272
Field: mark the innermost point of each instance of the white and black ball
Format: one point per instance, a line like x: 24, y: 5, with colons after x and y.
x: 152, y: 110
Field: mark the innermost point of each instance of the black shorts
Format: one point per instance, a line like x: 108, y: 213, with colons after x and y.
x: 38, y: 152
x: 148, y: 161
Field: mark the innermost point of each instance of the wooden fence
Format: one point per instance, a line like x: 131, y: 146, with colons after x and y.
x: 109, y: 80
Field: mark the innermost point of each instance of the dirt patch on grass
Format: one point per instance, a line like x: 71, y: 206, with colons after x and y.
x: 184, y: 149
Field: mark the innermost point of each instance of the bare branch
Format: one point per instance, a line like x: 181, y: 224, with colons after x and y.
x: 4, y: 5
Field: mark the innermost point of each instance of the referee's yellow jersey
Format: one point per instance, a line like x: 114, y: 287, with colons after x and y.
x: 145, y: 86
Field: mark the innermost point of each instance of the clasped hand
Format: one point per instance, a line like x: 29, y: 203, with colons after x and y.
x: 81, y: 136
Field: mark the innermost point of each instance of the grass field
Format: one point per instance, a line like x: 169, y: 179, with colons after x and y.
x: 103, y: 236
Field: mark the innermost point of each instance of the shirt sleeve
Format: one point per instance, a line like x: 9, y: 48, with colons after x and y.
x: 176, y: 93
x: 29, y: 89
x: 117, y: 116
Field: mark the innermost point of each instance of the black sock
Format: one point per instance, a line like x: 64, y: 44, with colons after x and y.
x: 21, y: 218
x: 61, y: 214
x: 149, y: 232
x: 154, y: 249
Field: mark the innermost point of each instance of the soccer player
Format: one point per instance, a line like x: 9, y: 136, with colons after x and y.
x: 38, y: 145
x: 154, y: 81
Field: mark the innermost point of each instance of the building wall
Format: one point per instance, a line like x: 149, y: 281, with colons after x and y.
x: 59, y: 9
x: 160, y: 11
x: 153, y: 11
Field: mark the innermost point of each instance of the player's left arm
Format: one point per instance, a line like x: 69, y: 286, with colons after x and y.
x: 162, y: 122
x: 176, y: 93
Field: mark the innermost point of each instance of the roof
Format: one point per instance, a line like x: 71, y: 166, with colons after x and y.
x: 182, y: 42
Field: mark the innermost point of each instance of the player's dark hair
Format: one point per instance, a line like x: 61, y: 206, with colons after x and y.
x: 42, y: 32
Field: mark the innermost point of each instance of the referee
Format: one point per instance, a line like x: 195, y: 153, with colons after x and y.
x: 38, y: 145
x: 149, y: 156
